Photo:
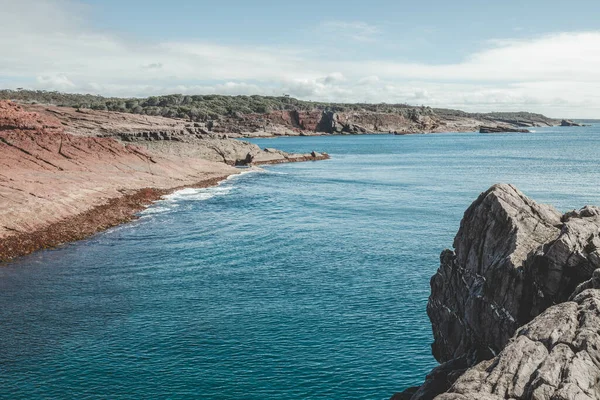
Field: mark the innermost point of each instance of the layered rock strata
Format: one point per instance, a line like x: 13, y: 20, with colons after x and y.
x: 167, y: 136
x: 318, y: 122
x: 135, y: 127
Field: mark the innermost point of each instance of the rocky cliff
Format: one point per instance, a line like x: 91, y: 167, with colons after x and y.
x: 404, y: 121
x: 169, y: 137
x: 66, y: 174
x: 509, y: 305
x: 554, y: 357
x: 251, y: 116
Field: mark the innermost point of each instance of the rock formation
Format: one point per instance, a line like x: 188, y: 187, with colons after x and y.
x: 501, y: 129
x: 566, y: 122
x: 167, y: 136
x: 513, y: 260
x: 554, y: 357
x: 318, y: 122
x: 272, y: 116
x: 64, y: 174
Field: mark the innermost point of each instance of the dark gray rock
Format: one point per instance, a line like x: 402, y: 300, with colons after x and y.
x: 554, y: 357
x: 566, y: 122
x: 476, y: 295
x: 512, y: 260
x: 328, y: 123
x: 501, y: 129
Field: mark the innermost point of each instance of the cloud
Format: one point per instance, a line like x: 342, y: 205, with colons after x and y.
x: 50, y: 45
x: 333, y: 78
x: 152, y: 66
x: 355, y: 30
x: 56, y: 82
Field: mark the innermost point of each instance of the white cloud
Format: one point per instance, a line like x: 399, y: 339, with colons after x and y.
x: 49, y: 45
x: 355, y: 30
x: 60, y: 82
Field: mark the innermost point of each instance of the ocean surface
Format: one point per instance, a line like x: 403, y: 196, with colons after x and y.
x: 296, y: 281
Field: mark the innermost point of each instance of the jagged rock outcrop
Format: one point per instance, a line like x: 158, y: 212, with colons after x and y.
x: 512, y: 260
x: 476, y: 300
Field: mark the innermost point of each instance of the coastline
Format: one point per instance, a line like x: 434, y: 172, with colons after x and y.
x: 116, y: 211
x: 60, y: 184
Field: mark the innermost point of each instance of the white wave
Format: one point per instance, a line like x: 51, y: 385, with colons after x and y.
x: 246, y: 171
x: 157, y: 209
x: 197, y: 194
x: 168, y: 202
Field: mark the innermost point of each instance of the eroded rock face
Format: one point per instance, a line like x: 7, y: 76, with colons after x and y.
x: 67, y: 173
x: 476, y: 295
x: 555, y: 269
x: 515, y: 260
x: 57, y: 187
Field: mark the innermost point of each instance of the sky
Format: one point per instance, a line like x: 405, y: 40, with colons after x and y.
x: 480, y: 56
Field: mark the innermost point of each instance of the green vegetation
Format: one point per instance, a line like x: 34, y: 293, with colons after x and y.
x: 199, y: 107
x: 210, y: 107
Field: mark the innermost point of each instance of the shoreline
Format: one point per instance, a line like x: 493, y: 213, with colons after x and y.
x: 245, y: 137
x: 58, y: 187
x: 116, y: 211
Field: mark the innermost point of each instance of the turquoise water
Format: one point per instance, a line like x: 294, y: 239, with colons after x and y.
x: 300, y: 281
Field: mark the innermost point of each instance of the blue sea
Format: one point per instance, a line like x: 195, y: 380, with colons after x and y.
x: 295, y: 281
